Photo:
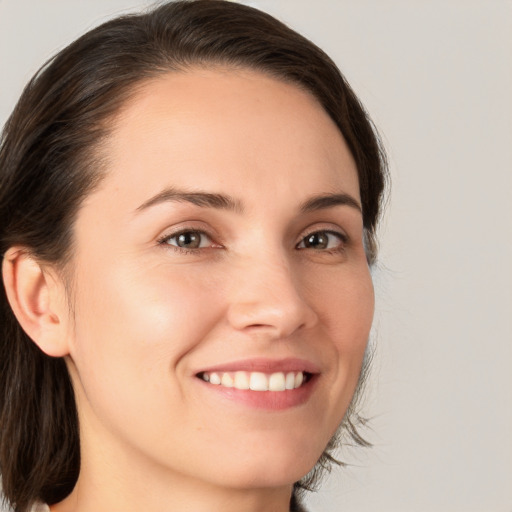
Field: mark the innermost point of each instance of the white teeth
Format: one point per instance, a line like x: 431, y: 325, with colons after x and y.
x: 276, y: 382
x: 214, y: 378
x: 256, y: 381
x: 290, y: 380
x: 241, y: 380
x: 227, y: 381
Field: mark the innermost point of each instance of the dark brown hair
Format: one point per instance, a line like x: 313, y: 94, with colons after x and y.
x: 49, y: 163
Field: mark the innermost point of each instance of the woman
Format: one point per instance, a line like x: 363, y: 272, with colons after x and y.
x: 189, y: 199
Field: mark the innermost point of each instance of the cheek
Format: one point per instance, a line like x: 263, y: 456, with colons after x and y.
x: 344, y: 302
x: 354, y: 320
x: 355, y: 313
x: 134, y: 325
x: 346, y: 311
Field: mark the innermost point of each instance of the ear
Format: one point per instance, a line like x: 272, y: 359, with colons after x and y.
x: 37, y: 298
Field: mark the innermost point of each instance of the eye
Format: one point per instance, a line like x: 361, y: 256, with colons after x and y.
x: 322, y: 240
x: 188, y: 239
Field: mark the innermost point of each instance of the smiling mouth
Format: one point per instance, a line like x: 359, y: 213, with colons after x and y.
x: 257, y: 381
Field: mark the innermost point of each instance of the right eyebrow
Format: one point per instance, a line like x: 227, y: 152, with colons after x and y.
x: 203, y: 199
x: 324, y: 201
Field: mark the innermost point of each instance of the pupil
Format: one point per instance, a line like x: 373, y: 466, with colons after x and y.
x: 317, y: 241
x: 190, y: 239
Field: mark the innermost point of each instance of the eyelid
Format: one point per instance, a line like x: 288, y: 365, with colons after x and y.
x: 324, y: 228
x: 174, y: 233
x: 342, y: 239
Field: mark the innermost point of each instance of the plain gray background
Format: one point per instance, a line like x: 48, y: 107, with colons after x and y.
x: 436, y: 77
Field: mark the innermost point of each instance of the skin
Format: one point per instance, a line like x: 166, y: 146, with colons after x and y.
x: 146, y: 315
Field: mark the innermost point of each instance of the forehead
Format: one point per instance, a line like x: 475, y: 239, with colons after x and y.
x: 226, y: 130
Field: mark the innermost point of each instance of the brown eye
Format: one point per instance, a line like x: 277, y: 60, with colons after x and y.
x: 322, y: 240
x: 189, y: 240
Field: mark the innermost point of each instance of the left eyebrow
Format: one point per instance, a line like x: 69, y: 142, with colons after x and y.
x: 202, y: 199
x: 324, y: 201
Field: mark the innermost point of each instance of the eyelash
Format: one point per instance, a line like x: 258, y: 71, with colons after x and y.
x: 164, y: 241
x: 342, y: 240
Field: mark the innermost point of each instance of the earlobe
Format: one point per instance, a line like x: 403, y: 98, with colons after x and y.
x: 37, y: 301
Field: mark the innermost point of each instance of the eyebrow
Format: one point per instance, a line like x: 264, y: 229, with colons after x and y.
x: 324, y: 201
x: 226, y: 202
x: 203, y: 199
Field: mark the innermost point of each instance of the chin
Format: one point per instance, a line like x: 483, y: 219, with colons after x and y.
x: 271, y: 469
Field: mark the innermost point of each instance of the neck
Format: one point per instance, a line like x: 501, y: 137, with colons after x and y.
x: 173, y: 498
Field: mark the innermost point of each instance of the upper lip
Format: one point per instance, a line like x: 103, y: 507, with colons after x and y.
x: 264, y: 365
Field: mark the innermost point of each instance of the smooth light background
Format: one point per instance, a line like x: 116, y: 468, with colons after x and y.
x: 436, y: 77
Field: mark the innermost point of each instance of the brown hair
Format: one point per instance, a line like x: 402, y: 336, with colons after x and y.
x: 48, y: 165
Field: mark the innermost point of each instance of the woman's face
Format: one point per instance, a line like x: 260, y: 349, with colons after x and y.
x: 224, y: 244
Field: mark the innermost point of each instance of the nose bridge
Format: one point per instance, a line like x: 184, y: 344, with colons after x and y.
x: 267, y: 295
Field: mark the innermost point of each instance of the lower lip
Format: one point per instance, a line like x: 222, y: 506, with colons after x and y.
x: 269, y: 400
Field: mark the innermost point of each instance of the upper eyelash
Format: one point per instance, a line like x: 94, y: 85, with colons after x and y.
x: 342, y: 236
x: 163, y: 239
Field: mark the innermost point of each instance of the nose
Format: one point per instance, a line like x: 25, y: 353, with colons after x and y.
x: 267, y: 297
